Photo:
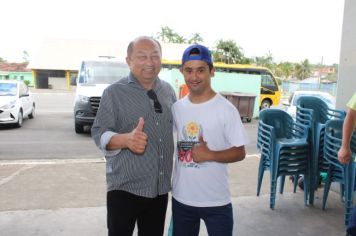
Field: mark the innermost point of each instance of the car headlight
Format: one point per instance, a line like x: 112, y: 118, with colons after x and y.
x: 82, y: 98
x: 9, y: 105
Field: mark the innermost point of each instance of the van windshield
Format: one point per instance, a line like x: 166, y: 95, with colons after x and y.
x: 102, y: 72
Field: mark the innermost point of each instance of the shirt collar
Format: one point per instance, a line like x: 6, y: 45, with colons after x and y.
x: 133, y: 80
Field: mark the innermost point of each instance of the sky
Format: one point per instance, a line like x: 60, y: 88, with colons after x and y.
x: 290, y: 30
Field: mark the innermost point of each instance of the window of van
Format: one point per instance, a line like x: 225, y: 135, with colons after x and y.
x: 97, y: 72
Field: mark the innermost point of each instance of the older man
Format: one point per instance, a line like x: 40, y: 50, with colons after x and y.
x: 133, y: 128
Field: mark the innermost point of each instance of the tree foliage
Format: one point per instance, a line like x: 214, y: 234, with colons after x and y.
x: 168, y: 35
x: 284, y: 70
x: 266, y: 61
x: 195, y: 38
x: 228, y: 52
x: 303, y: 70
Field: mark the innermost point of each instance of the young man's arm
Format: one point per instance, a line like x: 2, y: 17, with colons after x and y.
x: 201, y: 153
x: 344, y: 153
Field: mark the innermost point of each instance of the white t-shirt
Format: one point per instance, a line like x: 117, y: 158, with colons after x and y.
x: 218, y: 121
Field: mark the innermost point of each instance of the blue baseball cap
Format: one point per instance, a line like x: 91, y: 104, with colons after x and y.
x: 197, y: 52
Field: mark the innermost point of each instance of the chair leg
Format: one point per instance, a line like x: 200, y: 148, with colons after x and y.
x: 170, y: 229
x: 261, y: 171
x: 274, y: 178
x: 273, y: 194
x: 349, y: 187
x: 326, y: 188
x: 306, y: 189
x: 314, y: 174
x: 282, y: 179
x: 342, y: 192
x: 313, y: 188
x: 295, y: 182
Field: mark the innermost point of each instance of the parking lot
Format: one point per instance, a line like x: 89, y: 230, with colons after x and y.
x: 50, y: 135
x: 52, y: 180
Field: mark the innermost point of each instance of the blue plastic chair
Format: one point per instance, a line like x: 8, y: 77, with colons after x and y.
x: 264, y: 144
x: 337, y: 172
x: 285, y: 143
x: 314, y: 113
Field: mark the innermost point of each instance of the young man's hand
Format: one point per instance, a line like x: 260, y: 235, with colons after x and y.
x: 344, y: 155
x: 201, y: 152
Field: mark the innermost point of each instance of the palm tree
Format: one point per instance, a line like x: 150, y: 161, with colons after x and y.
x: 266, y: 61
x: 178, y: 38
x: 228, y: 52
x: 303, y: 70
x: 166, y: 35
x: 284, y: 69
x: 195, y: 38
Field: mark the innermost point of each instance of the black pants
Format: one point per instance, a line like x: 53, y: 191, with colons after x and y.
x: 124, y: 209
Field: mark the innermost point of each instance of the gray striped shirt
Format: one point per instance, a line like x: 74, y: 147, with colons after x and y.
x: 121, y: 106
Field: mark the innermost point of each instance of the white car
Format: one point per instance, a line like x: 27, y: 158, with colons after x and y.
x: 16, y: 102
x: 291, y: 105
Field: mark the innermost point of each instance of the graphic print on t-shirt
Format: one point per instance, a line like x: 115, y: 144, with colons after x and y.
x: 191, y: 132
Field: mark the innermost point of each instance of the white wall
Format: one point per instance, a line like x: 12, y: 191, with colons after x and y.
x: 58, y: 83
x: 347, y: 65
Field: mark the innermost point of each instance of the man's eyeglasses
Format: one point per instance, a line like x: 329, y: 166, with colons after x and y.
x: 152, y: 95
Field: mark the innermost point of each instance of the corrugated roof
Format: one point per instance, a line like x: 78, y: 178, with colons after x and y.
x: 66, y: 54
x: 14, y: 67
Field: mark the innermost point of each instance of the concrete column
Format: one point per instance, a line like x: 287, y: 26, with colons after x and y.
x: 34, y: 78
x: 346, y: 85
x: 68, y: 79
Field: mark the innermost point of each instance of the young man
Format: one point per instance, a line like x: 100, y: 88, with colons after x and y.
x: 344, y: 154
x: 210, y: 135
x: 133, y: 128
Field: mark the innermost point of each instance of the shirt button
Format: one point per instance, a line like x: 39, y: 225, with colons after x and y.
x: 161, y: 173
x: 157, y: 123
x: 160, y: 140
x: 161, y: 157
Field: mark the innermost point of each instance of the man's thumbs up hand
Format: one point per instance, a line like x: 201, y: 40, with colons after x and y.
x: 137, y: 139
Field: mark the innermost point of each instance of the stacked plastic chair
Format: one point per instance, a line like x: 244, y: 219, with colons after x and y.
x: 337, y: 172
x: 264, y: 144
x: 314, y: 113
x: 284, y: 149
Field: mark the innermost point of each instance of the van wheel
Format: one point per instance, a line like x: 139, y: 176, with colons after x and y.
x: 265, y: 104
x: 79, y: 129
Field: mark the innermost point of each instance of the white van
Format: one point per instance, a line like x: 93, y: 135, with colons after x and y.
x: 93, y: 77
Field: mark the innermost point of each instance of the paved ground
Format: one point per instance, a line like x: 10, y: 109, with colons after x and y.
x: 67, y: 197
